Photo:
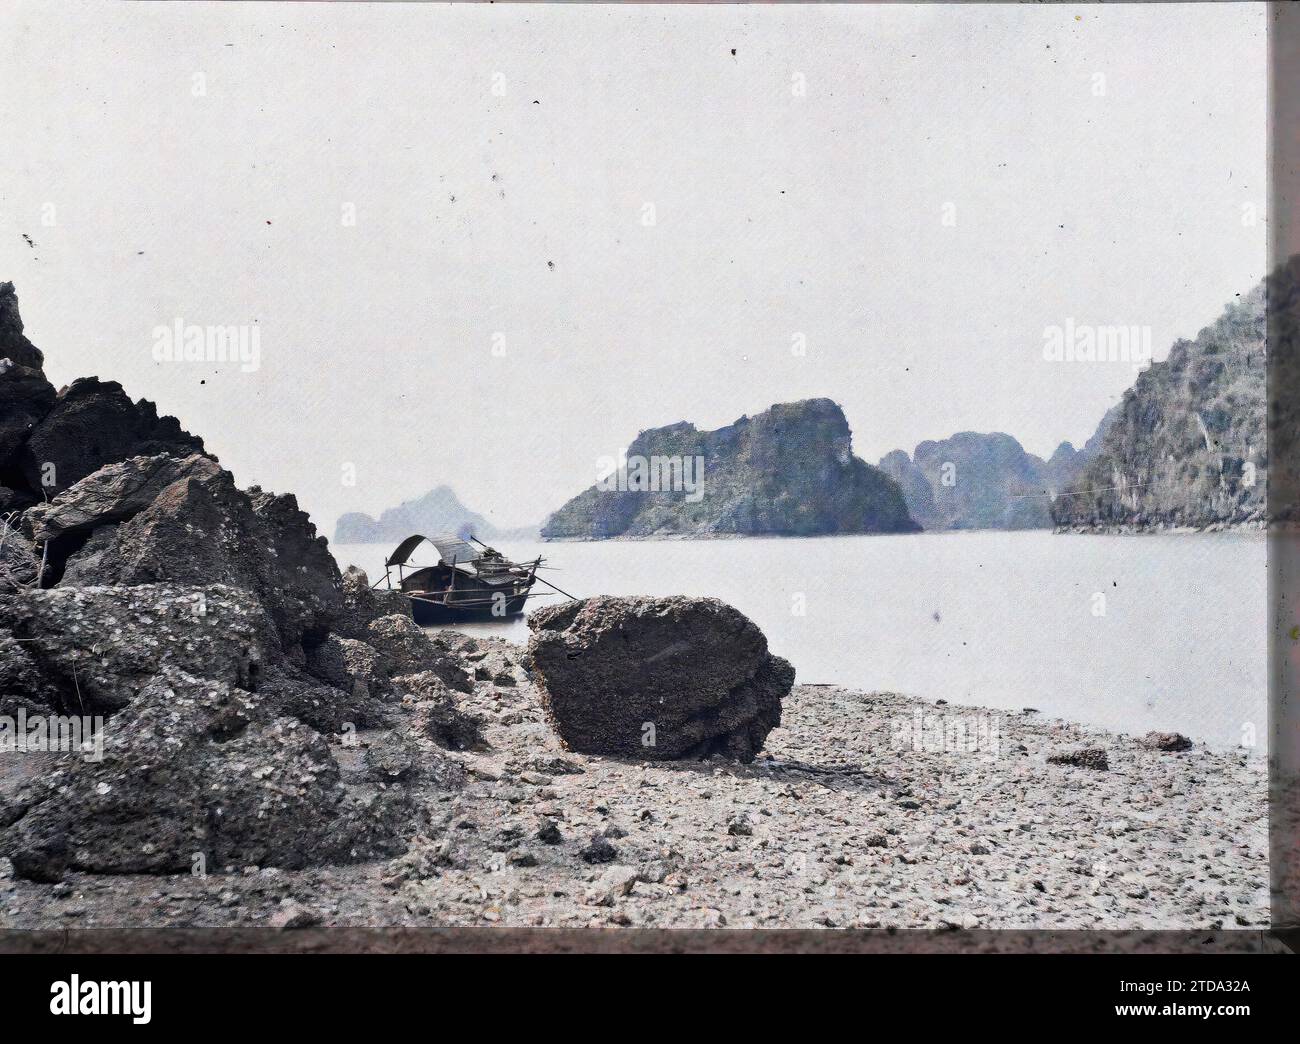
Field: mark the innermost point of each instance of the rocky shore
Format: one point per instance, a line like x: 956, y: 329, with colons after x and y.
x: 204, y: 722
x: 840, y: 822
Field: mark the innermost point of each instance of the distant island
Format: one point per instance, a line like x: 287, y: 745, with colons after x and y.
x: 437, y: 512
x: 789, y: 471
x: 975, y: 480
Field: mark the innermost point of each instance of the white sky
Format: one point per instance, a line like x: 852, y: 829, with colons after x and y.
x: 775, y: 214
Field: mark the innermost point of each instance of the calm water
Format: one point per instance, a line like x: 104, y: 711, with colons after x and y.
x: 991, y: 619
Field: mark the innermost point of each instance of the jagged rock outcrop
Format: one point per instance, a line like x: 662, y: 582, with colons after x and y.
x: 48, y: 442
x: 19, y: 561
x: 115, y: 493
x: 25, y: 395
x: 404, y: 648
x: 362, y: 604
x: 1187, y: 447
x: 438, y: 511
x: 93, y: 423
x: 657, y: 678
x: 198, y: 619
x: 162, y: 519
x: 789, y: 471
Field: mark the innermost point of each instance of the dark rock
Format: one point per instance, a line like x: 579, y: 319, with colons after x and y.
x: 740, y: 826
x: 352, y: 666
x: 93, y: 423
x: 115, y: 493
x: 25, y: 395
x: 1087, y: 757
x: 298, y: 566
x: 20, y: 562
x: 657, y: 678
x: 598, y: 851
x: 549, y: 833
x: 327, y: 709
x: 1166, y: 741
x: 14, y: 501
x: 83, y: 567
x: 788, y: 471
x: 392, y: 757
x: 193, y: 768
x: 555, y: 766
x: 24, y: 685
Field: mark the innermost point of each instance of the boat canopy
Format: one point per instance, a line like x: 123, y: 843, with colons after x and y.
x: 450, y: 549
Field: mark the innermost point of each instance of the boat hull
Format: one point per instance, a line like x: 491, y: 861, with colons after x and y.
x: 428, y: 611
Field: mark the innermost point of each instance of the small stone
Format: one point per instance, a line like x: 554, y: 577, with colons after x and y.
x: 1087, y: 757
x: 599, y: 851
x: 741, y: 826
x: 291, y: 916
x: 549, y: 833
x: 1171, y: 742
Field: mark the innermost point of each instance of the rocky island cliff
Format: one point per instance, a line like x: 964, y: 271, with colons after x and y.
x: 789, y: 471
x: 1187, y: 448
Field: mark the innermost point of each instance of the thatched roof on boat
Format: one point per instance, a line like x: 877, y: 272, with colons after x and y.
x: 451, y: 549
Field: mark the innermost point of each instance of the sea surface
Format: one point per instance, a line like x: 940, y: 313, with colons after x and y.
x: 1131, y: 633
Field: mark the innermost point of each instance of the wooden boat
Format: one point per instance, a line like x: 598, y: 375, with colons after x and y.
x: 468, y: 583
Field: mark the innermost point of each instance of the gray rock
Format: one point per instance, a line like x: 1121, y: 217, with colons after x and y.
x: 25, y: 395
x: 438, y: 716
x: 404, y: 648
x: 93, y: 423
x: 20, y: 562
x: 1166, y: 741
x: 115, y: 493
x: 362, y: 605
x: 99, y: 646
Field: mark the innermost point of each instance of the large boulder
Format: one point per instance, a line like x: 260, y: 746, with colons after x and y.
x: 197, y: 773
x: 657, y: 678
x: 97, y: 647
x: 93, y: 423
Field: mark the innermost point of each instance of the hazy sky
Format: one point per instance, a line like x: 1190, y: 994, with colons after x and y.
x: 195, y: 161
